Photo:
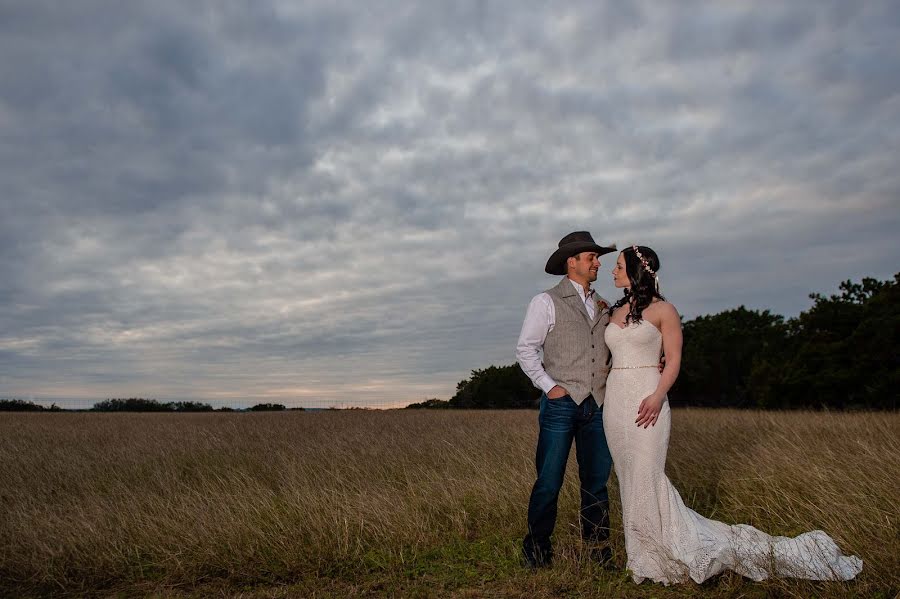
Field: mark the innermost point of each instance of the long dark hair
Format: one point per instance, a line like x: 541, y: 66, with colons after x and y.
x: 644, y: 285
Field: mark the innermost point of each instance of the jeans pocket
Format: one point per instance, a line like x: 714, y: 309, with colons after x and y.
x: 563, y: 400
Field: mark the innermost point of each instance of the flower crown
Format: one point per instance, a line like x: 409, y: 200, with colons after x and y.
x: 643, y: 260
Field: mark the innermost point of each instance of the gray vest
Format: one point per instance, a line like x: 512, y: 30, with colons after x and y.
x: 575, y: 352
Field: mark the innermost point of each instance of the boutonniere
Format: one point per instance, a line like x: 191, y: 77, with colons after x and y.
x: 601, y: 308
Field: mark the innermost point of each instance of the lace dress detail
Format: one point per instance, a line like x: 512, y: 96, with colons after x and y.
x: 665, y: 541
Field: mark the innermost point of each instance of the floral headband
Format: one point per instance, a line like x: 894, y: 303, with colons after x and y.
x: 643, y: 260
x: 647, y: 268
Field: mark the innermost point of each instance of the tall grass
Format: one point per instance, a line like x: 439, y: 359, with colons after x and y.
x: 404, y: 502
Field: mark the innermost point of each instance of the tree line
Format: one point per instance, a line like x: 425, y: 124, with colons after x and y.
x: 841, y: 353
x: 137, y: 404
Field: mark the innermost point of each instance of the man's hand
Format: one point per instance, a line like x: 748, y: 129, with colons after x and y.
x: 662, y: 363
x: 557, y: 392
x: 649, y: 410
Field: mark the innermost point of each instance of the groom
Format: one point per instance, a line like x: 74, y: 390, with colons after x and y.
x: 566, y: 325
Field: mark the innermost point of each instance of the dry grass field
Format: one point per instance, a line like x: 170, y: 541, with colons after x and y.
x: 404, y: 503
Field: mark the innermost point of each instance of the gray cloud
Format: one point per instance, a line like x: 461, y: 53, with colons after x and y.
x: 326, y: 203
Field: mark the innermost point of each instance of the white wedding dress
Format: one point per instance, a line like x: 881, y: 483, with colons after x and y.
x: 665, y: 541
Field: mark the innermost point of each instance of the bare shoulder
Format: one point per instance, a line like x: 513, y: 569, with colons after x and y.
x: 663, y: 311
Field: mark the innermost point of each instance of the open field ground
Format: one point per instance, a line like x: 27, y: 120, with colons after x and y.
x: 404, y: 503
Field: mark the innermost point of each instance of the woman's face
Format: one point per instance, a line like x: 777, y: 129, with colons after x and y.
x: 620, y: 277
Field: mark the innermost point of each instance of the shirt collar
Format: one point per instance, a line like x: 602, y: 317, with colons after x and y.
x: 580, y: 290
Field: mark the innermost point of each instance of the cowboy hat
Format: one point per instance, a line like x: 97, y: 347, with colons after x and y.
x: 571, y: 244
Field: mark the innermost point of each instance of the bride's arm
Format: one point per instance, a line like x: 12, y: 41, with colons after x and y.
x: 670, y: 327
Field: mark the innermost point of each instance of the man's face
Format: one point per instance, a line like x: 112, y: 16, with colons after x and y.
x: 585, y: 266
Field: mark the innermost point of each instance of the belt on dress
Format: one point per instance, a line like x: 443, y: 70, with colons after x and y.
x: 630, y: 367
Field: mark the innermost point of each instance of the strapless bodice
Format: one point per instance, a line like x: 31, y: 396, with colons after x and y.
x: 637, y: 345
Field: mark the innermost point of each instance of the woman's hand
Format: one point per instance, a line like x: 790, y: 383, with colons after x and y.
x: 649, y: 410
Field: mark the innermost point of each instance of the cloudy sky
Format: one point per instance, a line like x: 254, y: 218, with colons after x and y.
x: 312, y: 202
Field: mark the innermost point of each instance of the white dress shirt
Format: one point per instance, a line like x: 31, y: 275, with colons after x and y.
x: 540, y: 319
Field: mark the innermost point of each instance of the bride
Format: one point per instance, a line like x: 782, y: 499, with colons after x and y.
x: 665, y: 541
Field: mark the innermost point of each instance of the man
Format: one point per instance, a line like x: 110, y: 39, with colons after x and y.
x: 566, y: 324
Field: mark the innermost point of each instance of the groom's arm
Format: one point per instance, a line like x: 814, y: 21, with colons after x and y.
x: 539, y: 320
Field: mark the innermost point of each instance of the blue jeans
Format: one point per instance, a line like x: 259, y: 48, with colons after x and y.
x: 562, y: 420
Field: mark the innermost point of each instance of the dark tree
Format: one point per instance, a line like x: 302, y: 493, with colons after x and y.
x: 132, y: 404
x: 718, y: 356
x: 430, y: 404
x: 21, y: 405
x: 190, y: 406
x: 496, y: 388
x: 267, y: 407
x: 139, y: 404
x: 844, y: 352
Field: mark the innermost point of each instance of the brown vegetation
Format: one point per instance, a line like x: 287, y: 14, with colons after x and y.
x: 407, y: 503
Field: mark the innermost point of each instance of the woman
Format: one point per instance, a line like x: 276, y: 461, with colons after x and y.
x: 665, y: 541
